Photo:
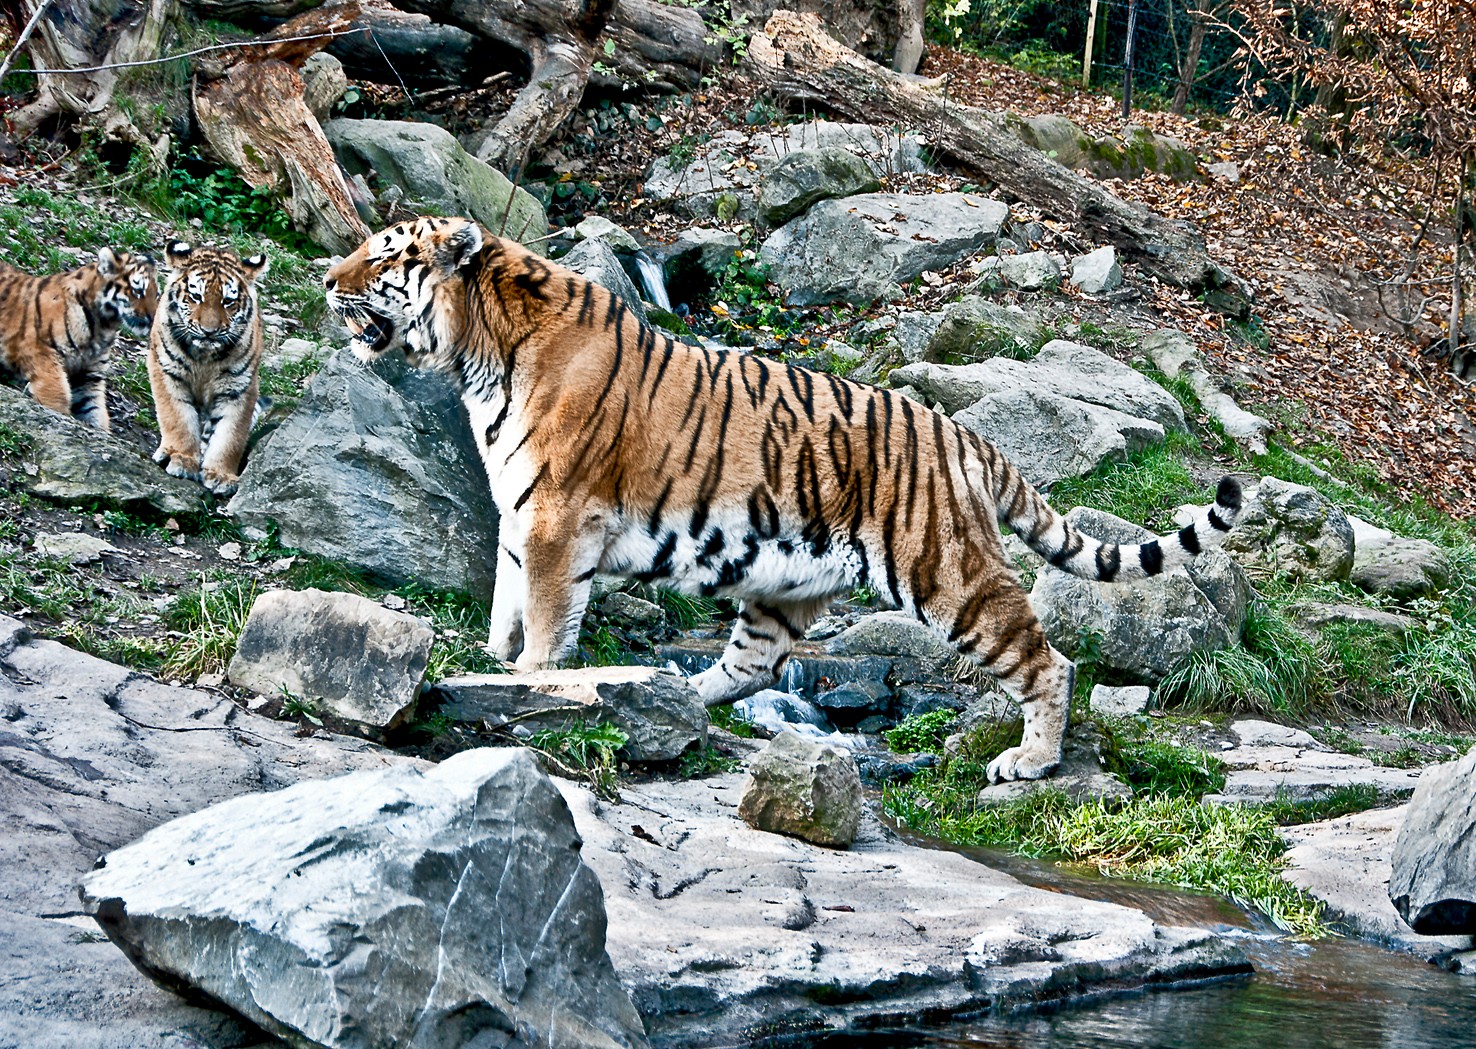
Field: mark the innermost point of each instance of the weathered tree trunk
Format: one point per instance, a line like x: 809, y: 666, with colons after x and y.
x: 887, y: 31
x: 660, y: 46
x: 1189, y: 65
x: 251, y: 111
x: 81, y: 35
x: 796, y: 58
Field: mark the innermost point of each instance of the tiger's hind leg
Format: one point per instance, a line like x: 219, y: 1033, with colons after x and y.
x: 762, y: 640
x: 90, y: 400
x: 1012, y: 646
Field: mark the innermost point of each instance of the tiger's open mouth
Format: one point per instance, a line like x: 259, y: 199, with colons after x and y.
x: 372, y: 332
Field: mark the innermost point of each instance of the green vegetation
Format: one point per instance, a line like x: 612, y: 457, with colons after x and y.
x: 921, y: 732
x: 1164, y: 834
x: 1341, y: 801
x: 707, y: 761
x: 209, y: 621
x: 1144, y: 489
x: 584, y: 752
x: 725, y: 718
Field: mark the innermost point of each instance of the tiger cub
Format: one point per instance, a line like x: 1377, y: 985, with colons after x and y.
x: 57, y: 332
x: 204, y: 353
x: 612, y: 448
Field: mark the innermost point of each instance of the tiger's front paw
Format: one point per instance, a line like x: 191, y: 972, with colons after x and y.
x: 186, y: 466
x: 219, y: 482
x: 1020, y: 763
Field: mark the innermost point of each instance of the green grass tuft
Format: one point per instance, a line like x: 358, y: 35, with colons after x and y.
x: 921, y: 732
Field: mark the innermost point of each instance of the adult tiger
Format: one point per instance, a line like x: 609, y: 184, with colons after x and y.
x: 612, y: 448
x: 57, y: 333
x: 204, y: 353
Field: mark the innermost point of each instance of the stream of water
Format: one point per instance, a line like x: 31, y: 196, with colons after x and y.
x: 1333, y: 994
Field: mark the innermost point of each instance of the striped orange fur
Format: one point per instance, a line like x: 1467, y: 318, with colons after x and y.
x: 204, y: 353
x: 57, y: 333
x: 612, y: 448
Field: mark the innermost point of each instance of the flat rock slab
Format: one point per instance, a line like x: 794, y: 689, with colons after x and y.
x: 77, y: 464
x: 1262, y: 773
x: 718, y: 929
x: 360, y: 662
x: 1345, y: 863
x: 1066, y: 369
x: 407, y: 907
x: 659, y: 711
x: 92, y: 755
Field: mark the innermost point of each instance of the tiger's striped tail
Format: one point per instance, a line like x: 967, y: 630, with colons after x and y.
x: 1063, y: 545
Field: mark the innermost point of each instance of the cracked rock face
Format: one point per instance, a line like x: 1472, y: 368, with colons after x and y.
x: 405, y: 907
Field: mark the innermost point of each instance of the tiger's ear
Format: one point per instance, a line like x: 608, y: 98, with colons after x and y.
x: 108, y: 262
x: 459, y: 245
x: 177, y: 252
x: 255, y: 266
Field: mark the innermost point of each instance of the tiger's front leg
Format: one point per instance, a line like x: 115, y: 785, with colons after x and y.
x: 179, y: 422
x: 509, y: 597
x: 230, y: 431
x: 560, y: 556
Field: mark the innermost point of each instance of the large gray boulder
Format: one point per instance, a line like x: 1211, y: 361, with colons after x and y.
x: 1031, y: 271
x: 356, y: 660
x: 1291, y: 528
x: 659, y: 711
x: 377, y: 468
x: 1385, y: 563
x: 430, y: 167
x: 897, y: 634
x: 1097, y: 272
x: 1139, y: 150
x: 732, y: 164
x: 1066, y: 369
x: 1050, y: 437
x: 595, y: 260
x: 63, y: 460
x: 803, y: 789
x: 1146, y: 627
x: 406, y: 907
x: 976, y: 327
x: 807, y: 176
x: 93, y: 755
x: 863, y: 248
x: 1433, y: 881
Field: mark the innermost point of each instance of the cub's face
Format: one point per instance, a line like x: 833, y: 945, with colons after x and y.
x: 210, y: 296
x: 130, y: 291
x: 385, y: 290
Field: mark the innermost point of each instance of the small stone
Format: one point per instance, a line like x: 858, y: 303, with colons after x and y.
x: 393, y: 601
x: 1120, y: 702
x: 229, y: 551
x: 1097, y: 272
x: 1225, y: 171
x: 636, y: 611
x: 803, y: 789
x: 359, y: 662
x: 74, y: 548
x: 1033, y: 271
x: 597, y: 227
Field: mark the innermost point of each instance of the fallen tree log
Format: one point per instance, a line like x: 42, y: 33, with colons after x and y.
x: 251, y: 112
x: 796, y: 58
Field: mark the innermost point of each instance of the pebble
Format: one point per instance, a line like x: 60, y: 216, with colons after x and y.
x: 229, y: 551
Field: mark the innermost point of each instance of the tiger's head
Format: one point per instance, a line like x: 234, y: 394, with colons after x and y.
x: 211, y: 294
x: 127, y: 292
x: 385, y: 291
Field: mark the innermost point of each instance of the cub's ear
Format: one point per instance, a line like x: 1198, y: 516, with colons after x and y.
x: 459, y: 242
x: 177, y: 252
x: 108, y: 262
x: 255, y: 266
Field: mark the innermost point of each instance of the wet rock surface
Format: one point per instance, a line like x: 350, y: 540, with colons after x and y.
x: 1433, y: 884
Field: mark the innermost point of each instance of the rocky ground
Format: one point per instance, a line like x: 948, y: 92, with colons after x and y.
x: 1308, y: 674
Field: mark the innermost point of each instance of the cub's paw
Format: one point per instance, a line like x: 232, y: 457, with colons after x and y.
x: 186, y: 466
x: 219, y: 482
x: 161, y: 455
x: 1019, y: 763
